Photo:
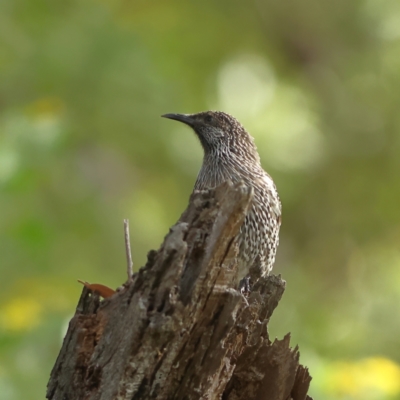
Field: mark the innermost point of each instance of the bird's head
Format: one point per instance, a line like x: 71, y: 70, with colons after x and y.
x: 220, y: 134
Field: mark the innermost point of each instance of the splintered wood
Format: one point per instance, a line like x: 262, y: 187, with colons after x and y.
x: 179, y: 329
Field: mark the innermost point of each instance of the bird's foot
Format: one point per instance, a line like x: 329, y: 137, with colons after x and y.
x: 244, y: 286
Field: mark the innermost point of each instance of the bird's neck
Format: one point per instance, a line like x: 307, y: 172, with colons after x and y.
x: 217, y: 170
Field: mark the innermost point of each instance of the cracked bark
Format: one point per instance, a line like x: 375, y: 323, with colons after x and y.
x: 179, y: 329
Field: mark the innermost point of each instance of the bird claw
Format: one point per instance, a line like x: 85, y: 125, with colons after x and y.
x: 244, y: 286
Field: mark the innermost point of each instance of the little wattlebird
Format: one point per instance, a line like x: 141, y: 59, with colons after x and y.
x: 230, y: 154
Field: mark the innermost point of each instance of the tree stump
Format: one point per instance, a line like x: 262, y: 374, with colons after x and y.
x: 180, y: 329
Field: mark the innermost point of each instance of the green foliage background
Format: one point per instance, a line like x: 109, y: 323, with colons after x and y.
x: 82, y: 86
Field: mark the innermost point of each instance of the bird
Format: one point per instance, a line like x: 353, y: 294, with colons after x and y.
x: 230, y: 154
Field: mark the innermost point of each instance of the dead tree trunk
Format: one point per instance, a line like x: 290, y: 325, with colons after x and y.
x: 179, y: 329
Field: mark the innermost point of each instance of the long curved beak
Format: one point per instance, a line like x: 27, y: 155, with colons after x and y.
x: 185, y: 118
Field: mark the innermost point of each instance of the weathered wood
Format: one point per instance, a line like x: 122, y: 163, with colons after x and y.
x: 179, y: 329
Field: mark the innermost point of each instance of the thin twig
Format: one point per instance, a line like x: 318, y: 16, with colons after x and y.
x: 128, y: 249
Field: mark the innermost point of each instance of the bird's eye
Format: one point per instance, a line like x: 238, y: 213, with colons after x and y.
x: 208, y: 118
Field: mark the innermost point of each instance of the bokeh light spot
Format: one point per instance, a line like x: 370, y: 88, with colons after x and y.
x: 246, y: 85
x: 20, y: 314
x: 370, y: 378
